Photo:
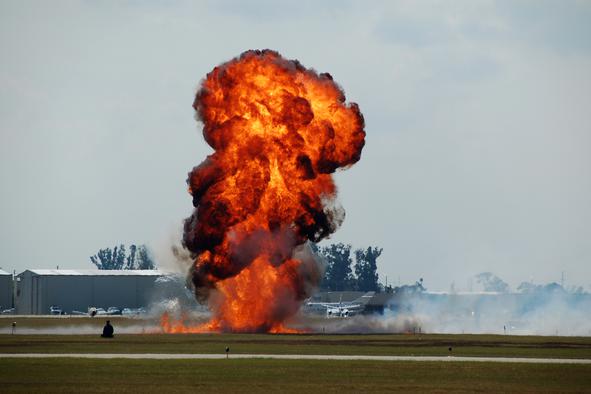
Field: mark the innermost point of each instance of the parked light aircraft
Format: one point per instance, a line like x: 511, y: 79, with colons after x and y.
x: 343, y: 309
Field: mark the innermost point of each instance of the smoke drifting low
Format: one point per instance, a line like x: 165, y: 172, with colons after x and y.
x: 544, y: 313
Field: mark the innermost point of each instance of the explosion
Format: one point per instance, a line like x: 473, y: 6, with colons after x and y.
x: 279, y: 131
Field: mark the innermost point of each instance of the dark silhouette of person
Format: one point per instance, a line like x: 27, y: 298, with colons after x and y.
x: 108, y: 330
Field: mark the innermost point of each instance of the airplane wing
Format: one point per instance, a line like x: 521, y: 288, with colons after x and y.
x: 359, y: 302
x: 325, y: 304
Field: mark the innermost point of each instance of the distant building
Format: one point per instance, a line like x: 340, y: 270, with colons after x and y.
x: 5, y: 290
x: 336, y: 296
x: 77, y: 290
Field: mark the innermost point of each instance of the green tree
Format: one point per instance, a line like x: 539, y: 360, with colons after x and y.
x: 103, y: 259
x: 116, y: 259
x: 366, y: 268
x: 338, y: 276
x: 130, y: 262
x: 144, y: 260
x: 119, y: 257
x: 491, y: 282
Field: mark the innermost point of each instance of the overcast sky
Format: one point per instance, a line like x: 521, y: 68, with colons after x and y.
x: 478, y: 120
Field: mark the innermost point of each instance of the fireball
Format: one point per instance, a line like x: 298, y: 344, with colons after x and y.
x: 278, y: 130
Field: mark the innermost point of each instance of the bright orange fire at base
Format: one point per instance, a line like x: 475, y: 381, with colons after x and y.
x: 236, y: 292
x: 171, y: 326
x: 279, y: 131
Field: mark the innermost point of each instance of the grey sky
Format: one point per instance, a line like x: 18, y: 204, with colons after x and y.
x: 477, y: 112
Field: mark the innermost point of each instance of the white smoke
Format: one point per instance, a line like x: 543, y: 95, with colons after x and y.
x: 545, y: 313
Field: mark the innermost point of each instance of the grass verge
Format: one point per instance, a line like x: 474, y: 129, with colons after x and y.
x: 394, y: 344
x: 288, y: 376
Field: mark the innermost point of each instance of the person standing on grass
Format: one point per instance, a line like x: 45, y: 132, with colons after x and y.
x: 108, y: 330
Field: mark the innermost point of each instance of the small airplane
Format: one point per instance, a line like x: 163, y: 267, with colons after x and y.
x: 94, y: 311
x: 343, y: 309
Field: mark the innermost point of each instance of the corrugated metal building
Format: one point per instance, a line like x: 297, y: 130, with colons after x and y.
x: 77, y: 290
x: 5, y: 290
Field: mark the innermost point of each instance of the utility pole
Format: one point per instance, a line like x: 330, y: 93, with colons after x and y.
x: 562, y: 279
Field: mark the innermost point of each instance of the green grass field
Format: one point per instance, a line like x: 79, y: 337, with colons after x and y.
x: 394, y: 344
x: 264, y: 375
x: 288, y: 376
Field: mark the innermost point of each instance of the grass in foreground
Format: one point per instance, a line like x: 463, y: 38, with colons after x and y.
x: 393, y: 344
x: 289, y: 376
x: 71, y: 323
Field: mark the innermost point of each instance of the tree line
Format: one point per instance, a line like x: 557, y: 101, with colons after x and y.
x: 347, y: 269
x: 119, y: 258
x: 491, y: 282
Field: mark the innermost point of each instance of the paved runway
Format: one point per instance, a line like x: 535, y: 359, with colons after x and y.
x: 163, y: 356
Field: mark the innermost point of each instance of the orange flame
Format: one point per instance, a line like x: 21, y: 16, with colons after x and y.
x: 278, y: 130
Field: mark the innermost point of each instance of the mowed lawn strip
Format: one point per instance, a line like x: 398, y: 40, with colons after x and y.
x: 289, y: 376
x: 394, y: 344
x: 69, y: 322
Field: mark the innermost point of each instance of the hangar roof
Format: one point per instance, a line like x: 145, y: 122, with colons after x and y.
x: 462, y: 293
x: 97, y: 272
x: 4, y: 273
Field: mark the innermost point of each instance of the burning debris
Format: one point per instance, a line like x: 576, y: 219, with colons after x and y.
x: 279, y: 131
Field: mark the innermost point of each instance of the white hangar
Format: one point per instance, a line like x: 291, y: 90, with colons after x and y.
x: 77, y: 290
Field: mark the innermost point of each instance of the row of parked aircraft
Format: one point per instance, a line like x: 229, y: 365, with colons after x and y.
x: 93, y: 311
x: 332, y: 309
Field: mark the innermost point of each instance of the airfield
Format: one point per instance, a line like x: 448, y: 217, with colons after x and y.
x: 63, y: 360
